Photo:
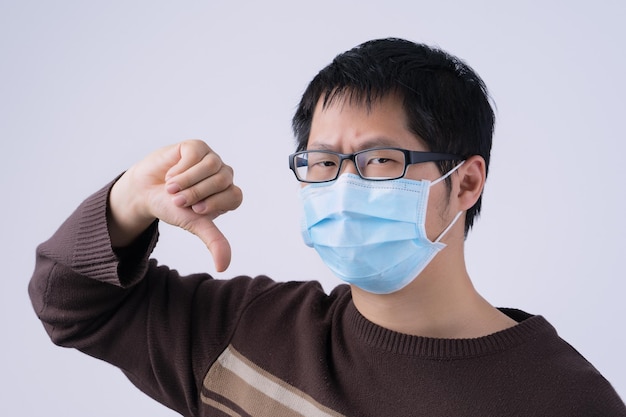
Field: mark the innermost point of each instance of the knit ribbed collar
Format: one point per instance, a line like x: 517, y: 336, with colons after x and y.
x: 529, y: 328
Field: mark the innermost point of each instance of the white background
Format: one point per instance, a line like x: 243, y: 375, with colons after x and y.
x: 88, y: 88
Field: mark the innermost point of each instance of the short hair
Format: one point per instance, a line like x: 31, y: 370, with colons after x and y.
x: 446, y: 103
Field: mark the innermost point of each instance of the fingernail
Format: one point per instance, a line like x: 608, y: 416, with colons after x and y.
x: 172, y: 188
x: 179, y: 200
x: 199, y: 207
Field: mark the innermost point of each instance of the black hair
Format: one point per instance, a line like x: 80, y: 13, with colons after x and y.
x: 446, y: 103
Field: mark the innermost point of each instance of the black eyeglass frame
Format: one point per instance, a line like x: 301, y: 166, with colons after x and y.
x: 410, y: 158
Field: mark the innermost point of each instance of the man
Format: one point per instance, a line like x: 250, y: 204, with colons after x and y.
x: 393, y: 149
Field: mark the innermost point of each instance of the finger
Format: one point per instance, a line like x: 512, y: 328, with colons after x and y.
x: 218, y: 204
x: 210, y: 165
x: 214, y: 240
x: 187, y: 154
x: 204, y: 188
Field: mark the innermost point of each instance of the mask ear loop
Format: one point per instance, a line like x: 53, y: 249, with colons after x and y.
x: 442, y: 234
x: 447, y: 174
x: 449, y: 226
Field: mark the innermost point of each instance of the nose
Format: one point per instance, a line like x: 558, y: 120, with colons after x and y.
x: 348, y: 167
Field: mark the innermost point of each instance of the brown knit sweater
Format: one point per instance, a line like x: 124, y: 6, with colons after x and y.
x: 255, y: 347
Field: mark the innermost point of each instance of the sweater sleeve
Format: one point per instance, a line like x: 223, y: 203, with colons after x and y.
x: 162, y: 330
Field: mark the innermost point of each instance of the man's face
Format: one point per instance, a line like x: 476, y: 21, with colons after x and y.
x: 350, y: 127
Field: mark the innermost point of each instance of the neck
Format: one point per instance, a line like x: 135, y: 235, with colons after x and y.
x: 441, y: 302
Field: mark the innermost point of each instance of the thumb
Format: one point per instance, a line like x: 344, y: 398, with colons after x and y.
x: 214, y: 240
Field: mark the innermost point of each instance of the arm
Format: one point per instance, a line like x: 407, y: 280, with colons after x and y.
x: 117, y: 305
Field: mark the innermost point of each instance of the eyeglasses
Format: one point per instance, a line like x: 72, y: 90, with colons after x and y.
x: 378, y: 164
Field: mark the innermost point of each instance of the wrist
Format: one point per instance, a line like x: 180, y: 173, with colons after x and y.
x: 126, y: 217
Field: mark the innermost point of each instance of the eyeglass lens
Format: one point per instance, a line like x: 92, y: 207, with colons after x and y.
x: 319, y: 166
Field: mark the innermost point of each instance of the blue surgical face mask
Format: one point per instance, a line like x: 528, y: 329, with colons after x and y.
x: 371, y: 234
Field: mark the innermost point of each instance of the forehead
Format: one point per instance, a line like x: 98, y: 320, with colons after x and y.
x: 344, y: 123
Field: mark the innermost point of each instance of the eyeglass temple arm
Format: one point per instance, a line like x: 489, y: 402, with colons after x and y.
x: 416, y: 157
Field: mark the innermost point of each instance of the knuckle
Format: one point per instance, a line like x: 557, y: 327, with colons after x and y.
x: 196, y: 144
x: 212, y: 161
x: 194, y: 195
x: 195, y: 150
x: 228, y: 200
x: 222, y: 181
x: 238, y: 196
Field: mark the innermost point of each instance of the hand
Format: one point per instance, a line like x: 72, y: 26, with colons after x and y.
x: 186, y: 185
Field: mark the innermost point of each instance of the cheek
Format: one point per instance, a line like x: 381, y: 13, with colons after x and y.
x: 437, y: 214
x: 425, y: 171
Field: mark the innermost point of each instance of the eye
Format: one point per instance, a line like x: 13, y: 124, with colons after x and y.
x: 321, y: 163
x: 326, y: 163
x: 383, y: 156
x: 378, y: 160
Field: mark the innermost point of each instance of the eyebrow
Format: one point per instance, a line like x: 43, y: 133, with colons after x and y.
x: 377, y: 142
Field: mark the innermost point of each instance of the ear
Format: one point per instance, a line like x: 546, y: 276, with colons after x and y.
x: 472, y: 176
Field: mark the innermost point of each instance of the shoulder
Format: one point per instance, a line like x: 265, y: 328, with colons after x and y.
x: 293, y: 307
x: 298, y: 297
x: 549, y: 363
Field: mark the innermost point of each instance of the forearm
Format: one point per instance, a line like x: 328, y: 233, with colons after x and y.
x: 104, y: 302
x: 125, y: 219
x: 78, y: 262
